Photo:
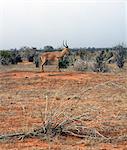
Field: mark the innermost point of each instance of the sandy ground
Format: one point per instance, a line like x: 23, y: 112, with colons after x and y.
x: 102, y: 97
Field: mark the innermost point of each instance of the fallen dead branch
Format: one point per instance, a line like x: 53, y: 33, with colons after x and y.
x: 75, y: 130
x: 7, y: 136
x: 57, y: 122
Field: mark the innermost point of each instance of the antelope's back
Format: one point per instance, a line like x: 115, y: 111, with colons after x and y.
x: 50, y: 55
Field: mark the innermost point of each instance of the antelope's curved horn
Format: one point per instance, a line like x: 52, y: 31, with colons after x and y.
x: 64, y: 44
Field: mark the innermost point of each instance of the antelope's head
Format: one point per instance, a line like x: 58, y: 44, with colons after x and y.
x: 66, y: 48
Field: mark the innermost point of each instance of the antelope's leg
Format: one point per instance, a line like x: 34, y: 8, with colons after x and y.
x: 42, y: 68
x: 42, y: 64
x: 58, y: 67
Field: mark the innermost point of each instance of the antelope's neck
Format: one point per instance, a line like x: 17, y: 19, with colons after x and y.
x: 63, y: 52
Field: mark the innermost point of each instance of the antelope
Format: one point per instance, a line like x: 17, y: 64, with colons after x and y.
x: 54, y: 56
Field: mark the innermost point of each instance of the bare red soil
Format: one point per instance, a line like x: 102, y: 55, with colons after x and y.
x: 101, y: 96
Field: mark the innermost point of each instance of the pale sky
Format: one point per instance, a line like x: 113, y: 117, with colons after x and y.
x: 83, y: 23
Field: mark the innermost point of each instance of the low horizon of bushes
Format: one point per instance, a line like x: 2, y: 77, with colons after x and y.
x: 79, y: 58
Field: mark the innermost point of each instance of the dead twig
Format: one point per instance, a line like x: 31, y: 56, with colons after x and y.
x: 6, y: 136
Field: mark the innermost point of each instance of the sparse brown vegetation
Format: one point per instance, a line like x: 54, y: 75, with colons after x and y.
x: 62, y: 110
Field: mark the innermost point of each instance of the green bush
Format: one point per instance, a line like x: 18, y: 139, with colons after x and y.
x: 9, y: 57
x: 5, y: 57
x: 64, y: 63
x: 5, y: 54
